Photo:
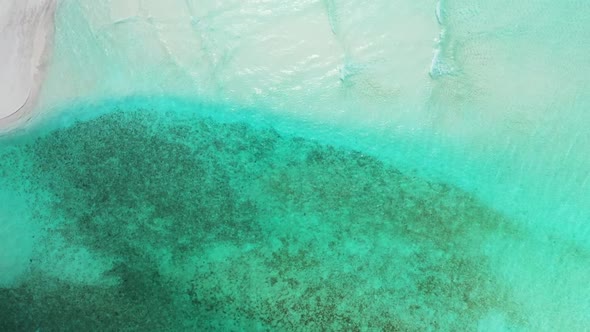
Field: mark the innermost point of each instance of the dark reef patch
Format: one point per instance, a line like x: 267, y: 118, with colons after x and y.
x: 218, y: 226
x: 142, y: 301
x: 116, y: 179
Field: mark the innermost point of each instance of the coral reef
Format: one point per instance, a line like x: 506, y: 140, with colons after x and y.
x: 220, y: 226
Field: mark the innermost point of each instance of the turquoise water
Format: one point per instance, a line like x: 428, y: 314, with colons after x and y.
x: 203, y: 224
x: 193, y: 170
x: 159, y: 219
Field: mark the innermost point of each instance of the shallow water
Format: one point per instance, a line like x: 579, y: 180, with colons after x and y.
x: 349, y: 183
x: 198, y: 223
x: 204, y: 222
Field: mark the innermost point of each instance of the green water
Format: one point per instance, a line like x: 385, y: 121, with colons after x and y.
x: 194, y: 223
x: 301, y: 167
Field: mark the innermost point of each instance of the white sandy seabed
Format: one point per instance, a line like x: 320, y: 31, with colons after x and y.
x: 487, y: 96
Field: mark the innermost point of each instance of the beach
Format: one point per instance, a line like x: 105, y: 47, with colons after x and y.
x: 26, y: 37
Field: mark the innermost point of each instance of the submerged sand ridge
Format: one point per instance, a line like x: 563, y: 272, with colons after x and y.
x: 26, y: 33
x: 309, y: 59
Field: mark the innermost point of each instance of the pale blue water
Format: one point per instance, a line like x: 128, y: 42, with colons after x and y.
x: 182, y: 188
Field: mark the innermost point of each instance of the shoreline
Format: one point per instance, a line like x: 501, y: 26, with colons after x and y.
x: 26, y: 44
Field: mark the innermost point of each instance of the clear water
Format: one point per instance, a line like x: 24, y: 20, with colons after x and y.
x: 193, y: 170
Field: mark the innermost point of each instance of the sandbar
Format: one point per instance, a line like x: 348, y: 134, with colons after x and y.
x: 26, y: 38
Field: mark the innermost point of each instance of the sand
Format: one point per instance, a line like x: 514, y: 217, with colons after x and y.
x: 306, y: 59
x: 26, y: 33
